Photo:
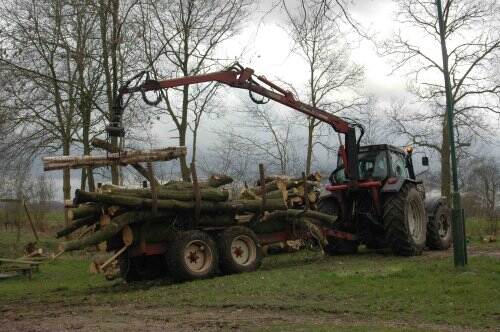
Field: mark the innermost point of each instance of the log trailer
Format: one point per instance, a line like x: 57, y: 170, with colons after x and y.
x: 373, y: 191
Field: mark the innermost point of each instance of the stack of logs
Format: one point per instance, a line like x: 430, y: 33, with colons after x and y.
x: 294, y: 191
x: 155, y: 215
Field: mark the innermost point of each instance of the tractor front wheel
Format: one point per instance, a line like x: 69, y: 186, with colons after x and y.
x: 405, y: 221
x: 439, y: 229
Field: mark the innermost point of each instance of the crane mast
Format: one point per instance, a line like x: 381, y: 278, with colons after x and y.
x: 239, y: 77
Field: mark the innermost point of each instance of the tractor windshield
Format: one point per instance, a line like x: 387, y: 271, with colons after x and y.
x: 372, y: 165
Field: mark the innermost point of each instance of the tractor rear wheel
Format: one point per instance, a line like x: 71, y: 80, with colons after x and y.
x: 191, y: 256
x: 405, y: 221
x: 336, y: 246
x: 239, y: 250
x: 439, y: 229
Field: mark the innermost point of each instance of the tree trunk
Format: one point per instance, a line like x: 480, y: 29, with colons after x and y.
x: 185, y: 171
x: 66, y: 180
x: 445, y: 164
x: 310, y: 142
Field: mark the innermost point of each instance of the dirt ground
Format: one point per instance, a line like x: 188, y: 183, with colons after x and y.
x: 127, y: 317
x: 144, y: 317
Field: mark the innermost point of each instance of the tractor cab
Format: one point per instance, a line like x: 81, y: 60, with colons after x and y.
x: 379, y: 163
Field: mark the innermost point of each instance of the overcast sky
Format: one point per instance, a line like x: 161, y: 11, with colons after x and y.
x: 263, y: 45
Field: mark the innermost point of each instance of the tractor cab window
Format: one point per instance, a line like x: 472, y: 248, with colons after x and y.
x: 398, y: 166
x: 373, y: 164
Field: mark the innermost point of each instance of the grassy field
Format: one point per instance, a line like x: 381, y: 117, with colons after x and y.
x: 304, y: 291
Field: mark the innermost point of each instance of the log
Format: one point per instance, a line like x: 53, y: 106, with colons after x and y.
x: 109, y: 231
x: 214, y: 181
x: 207, y: 194
x: 124, y: 158
x: 84, y: 210
x: 77, y: 224
x: 315, y: 177
x: 236, y: 206
x: 279, y: 221
x: 276, y: 185
x: 105, y: 145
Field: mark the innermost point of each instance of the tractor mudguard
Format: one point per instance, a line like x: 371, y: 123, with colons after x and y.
x: 432, y: 204
x: 396, y: 186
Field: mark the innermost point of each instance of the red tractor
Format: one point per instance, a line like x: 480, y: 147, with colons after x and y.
x: 373, y: 190
x: 387, y: 208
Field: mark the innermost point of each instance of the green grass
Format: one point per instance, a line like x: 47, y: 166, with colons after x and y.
x: 55, y: 218
x: 367, y: 291
x: 9, y: 247
x: 368, y: 286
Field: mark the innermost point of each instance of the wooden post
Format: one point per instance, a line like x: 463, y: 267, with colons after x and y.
x: 197, y: 194
x: 112, y: 258
x: 154, y: 189
x: 306, y: 191
x: 30, y: 221
x: 262, y: 188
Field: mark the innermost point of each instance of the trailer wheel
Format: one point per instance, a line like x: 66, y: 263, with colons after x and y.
x: 191, y: 256
x: 439, y: 229
x: 405, y: 221
x: 240, y: 250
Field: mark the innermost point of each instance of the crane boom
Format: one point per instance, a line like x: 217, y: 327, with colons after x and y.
x: 243, y: 78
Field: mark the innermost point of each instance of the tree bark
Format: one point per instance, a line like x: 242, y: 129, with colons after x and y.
x: 84, y: 210
x: 108, y: 231
x: 77, y: 224
x: 126, y: 157
x: 66, y: 181
x: 310, y: 142
x: 237, y: 206
x: 445, y: 164
x: 102, y: 144
x: 207, y: 194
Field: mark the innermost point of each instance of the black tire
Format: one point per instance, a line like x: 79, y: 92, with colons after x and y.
x: 336, y: 246
x: 439, y: 236
x: 239, y: 250
x: 192, y: 255
x: 128, y: 271
x: 405, y: 221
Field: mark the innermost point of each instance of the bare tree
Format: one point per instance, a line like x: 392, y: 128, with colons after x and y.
x: 268, y: 137
x: 314, y: 27
x: 484, y: 180
x: 116, y: 53
x: 371, y: 117
x: 43, y: 94
x: 183, y: 38
x: 472, y: 35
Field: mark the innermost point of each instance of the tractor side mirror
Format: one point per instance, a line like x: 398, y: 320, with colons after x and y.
x: 425, y: 161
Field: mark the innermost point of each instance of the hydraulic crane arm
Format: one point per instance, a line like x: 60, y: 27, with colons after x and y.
x: 243, y: 78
